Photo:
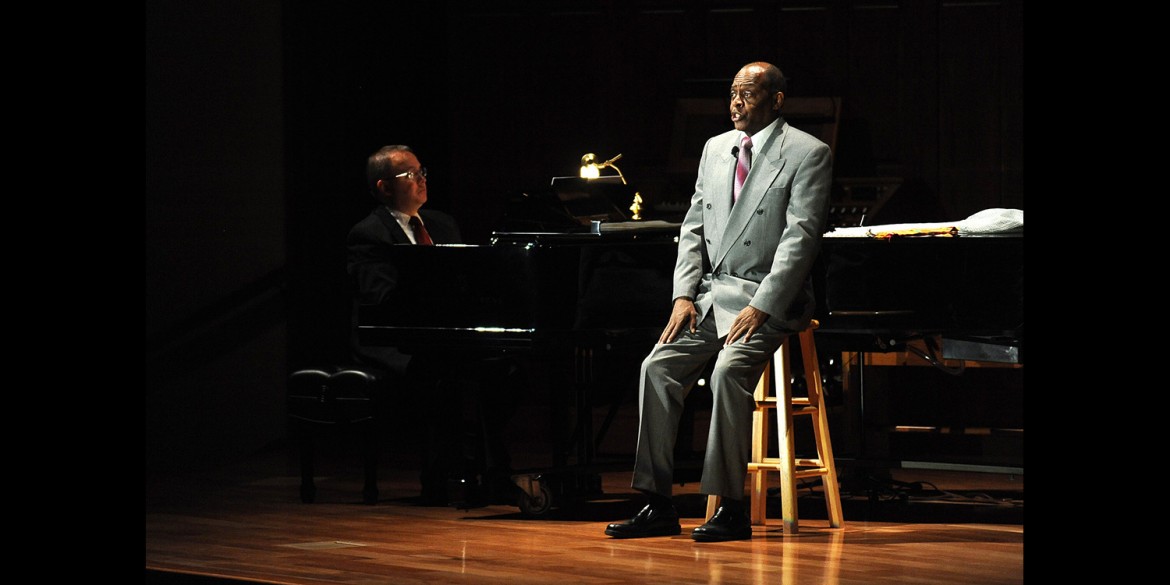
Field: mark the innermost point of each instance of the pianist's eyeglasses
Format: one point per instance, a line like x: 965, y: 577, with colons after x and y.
x: 421, y: 173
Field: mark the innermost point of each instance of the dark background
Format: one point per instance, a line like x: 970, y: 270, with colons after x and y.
x: 260, y: 115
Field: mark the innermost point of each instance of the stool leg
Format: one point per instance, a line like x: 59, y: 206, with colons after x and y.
x: 760, y: 433
x: 816, y: 396
x: 786, y: 439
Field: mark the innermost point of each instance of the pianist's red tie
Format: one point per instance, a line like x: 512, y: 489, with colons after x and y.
x: 421, y: 237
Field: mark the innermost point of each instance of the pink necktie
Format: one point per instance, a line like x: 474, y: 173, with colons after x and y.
x: 742, y: 167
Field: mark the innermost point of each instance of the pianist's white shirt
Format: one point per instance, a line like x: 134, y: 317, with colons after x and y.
x: 404, y: 221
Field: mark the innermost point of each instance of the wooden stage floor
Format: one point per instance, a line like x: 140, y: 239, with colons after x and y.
x: 245, y: 523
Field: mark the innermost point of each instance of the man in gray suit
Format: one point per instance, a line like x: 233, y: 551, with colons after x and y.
x: 741, y: 284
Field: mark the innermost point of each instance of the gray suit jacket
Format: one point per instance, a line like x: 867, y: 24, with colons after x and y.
x: 761, y: 250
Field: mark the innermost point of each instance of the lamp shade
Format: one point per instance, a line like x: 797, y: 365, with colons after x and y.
x: 591, y: 169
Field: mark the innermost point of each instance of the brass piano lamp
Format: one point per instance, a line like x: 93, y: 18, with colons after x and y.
x: 591, y: 169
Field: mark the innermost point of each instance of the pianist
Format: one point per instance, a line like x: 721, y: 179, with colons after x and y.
x: 398, y: 183
x: 741, y: 284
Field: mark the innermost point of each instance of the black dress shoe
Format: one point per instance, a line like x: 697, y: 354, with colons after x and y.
x: 724, y: 525
x: 649, y: 522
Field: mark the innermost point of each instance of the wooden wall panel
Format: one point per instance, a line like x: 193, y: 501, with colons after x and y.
x: 532, y: 95
x: 916, y: 119
x: 655, y: 59
x: 971, y: 106
x: 1012, y: 94
x: 732, y: 36
x: 808, y: 46
x: 873, y: 127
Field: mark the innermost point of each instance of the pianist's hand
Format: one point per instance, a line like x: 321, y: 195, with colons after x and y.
x: 746, y: 323
x: 683, y: 315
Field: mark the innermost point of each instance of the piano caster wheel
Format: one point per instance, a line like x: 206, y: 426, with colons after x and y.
x: 538, y: 504
x: 535, y: 498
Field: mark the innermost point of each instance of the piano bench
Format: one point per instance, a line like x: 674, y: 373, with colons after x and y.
x: 343, y: 400
x: 774, y: 398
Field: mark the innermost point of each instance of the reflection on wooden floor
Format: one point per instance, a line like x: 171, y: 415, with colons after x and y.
x: 247, y: 524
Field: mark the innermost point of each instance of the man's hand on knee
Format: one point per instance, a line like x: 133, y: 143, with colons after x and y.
x: 747, y: 322
x: 683, y: 315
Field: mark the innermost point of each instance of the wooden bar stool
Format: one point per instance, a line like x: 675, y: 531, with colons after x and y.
x: 778, y: 376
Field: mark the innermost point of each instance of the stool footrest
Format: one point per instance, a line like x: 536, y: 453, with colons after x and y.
x: 797, y: 409
x: 802, y: 466
x: 771, y: 402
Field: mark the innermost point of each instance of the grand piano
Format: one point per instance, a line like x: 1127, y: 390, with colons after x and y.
x: 589, y: 303
x: 580, y: 304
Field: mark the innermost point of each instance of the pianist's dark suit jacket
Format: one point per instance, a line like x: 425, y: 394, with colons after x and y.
x: 373, y: 276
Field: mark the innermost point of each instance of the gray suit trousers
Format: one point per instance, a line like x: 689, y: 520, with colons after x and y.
x: 668, y: 375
